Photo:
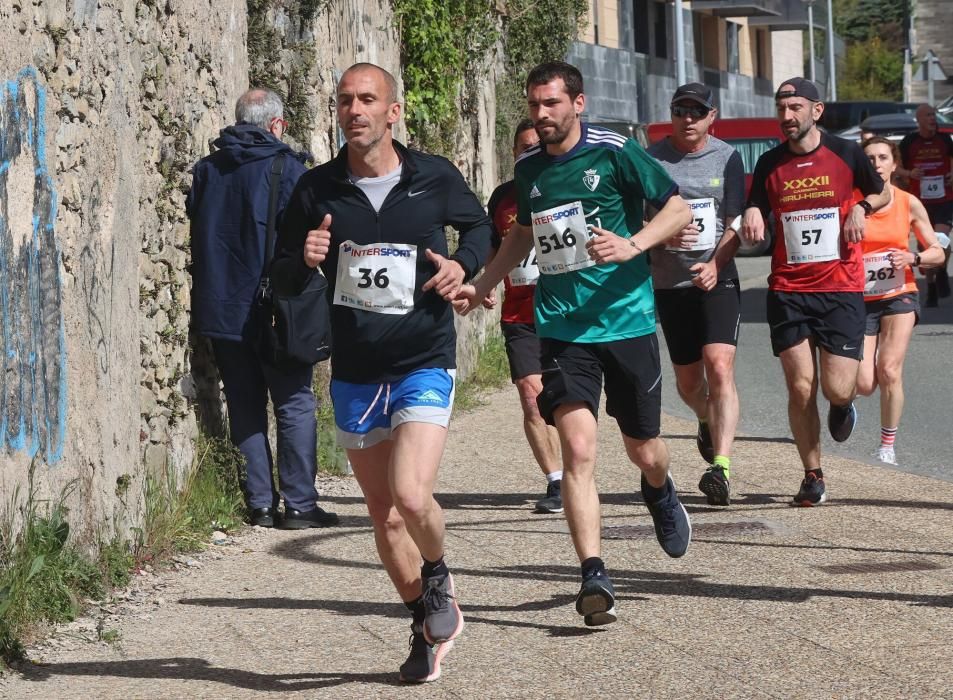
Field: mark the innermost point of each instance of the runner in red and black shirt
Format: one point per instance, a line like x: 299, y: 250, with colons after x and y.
x: 519, y: 332
x: 810, y: 184
x: 928, y: 163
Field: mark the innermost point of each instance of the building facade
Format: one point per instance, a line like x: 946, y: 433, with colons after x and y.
x: 931, y: 23
x: 738, y: 48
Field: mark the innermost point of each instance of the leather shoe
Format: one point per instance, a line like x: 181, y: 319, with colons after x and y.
x: 264, y: 517
x: 302, y: 519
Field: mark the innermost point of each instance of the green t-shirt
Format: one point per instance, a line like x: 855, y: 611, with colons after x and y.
x: 602, y: 181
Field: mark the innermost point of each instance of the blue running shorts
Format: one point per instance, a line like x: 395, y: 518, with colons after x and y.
x: 366, y: 414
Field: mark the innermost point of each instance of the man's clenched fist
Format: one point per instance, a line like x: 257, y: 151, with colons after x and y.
x: 317, y: 243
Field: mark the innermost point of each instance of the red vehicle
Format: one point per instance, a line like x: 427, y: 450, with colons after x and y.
x: 750, y: 136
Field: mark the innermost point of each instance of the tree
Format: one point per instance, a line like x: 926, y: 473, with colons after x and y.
x: 872, y: 71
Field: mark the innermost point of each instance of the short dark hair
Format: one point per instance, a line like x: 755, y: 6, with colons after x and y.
x: 523, y: 125
x: 894, y: 149
x: 545, y: 72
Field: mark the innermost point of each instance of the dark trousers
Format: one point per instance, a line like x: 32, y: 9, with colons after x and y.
x: 248, y: 381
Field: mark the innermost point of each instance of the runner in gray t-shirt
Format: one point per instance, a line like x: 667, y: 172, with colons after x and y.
x: 697, y: 296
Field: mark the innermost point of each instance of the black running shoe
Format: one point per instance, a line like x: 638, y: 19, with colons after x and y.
x: 811, y: 493
x: 841, y: 421
x: 714, y: 484
x: 673, y: 529
x: 553, y: 502
x: 705, y: 446
x: 596, y: 600
x: 443, y: 620
x: 423, y: 663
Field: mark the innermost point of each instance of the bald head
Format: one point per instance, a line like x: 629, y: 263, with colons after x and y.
x: 926, y: 120
x: 388, y: 80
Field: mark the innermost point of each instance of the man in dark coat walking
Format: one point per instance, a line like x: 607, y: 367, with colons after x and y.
x: 228, y: 208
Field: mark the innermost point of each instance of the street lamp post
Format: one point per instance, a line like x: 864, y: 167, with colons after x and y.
x: 679, y: 44
x: 831, y: 67
x: 810, y: 35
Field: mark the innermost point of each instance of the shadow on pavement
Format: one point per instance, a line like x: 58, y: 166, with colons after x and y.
x: 194, y: 669
x: 743, y: 438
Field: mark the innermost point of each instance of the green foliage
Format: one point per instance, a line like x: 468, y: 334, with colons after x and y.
x: 492, y: 372
x: 181, y: 519
x: 534, y: 31
x: 860, y: 20
x: 443, y: 42
x: 43, y: 575
x: 872, y: 71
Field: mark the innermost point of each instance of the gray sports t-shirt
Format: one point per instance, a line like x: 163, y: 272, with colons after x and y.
x: 712, y: 181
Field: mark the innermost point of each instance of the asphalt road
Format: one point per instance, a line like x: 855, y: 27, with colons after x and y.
x: 925, y: 438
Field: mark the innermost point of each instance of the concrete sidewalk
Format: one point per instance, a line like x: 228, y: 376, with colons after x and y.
x: 852, y: 599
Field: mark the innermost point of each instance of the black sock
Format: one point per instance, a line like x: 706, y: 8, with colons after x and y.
x: 416, y: 608
x: 652, y: 494
x: 819, y: 473
x: 434, y: 568
x: 593, y: 565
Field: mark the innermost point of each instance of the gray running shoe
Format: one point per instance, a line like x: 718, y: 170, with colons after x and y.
x: 553, y: 501
x: 841, y: 421
x: 715, y: 485
x: 443, y: 620
x: 673, y: 528
x: 423, y: 662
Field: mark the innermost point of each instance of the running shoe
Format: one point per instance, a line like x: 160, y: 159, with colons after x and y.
x: 887, y: 455
x: 596, y: 600
x: 841, y: 421
x: 714, y: 484
x: 553, y: 501
x: 811, y: 493
x: 703, y: 441
x: 673, y: 529
x: 443, y: 620
x: 423, y: 662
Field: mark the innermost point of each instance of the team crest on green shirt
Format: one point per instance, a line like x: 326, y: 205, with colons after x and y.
x: 591, y: 180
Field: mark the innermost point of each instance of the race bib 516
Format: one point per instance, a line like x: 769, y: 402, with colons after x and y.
x: 560, y: 235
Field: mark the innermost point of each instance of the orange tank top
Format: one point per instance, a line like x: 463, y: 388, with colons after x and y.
x: 886, y: 229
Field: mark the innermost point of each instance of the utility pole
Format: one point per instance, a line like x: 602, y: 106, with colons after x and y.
x: 831, y: 59
x: 810, y: 36
x: 679, y: 43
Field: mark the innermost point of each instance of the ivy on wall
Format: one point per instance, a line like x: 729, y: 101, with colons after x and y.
x: 445, y: 44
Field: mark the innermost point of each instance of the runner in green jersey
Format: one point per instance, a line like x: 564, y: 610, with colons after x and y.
x: 579, y: 202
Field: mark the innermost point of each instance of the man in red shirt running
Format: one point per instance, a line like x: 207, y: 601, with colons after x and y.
x: 519, y: 331
x: 815, y: 296
x: 928, y: 163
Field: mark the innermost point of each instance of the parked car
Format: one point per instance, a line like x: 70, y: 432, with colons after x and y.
x: 750, y: 136
x: 893, y: 126
x: 838, y: 116
x: 632, y: 130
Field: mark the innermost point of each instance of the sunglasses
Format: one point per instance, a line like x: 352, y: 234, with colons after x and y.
x: 694, y: 112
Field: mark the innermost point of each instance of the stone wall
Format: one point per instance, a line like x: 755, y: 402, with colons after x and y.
x: 104, y: 105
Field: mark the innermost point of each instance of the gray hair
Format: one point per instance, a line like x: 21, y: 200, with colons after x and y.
x: 258, y: 106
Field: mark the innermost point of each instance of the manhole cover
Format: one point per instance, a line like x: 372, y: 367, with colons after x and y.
x: 884, y: 567
x: 640, y: 532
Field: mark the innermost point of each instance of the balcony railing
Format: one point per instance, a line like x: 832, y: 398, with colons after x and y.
x: 740, y: 8
x: 793, y: 15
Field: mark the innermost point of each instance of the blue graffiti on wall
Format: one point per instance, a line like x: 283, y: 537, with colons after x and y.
x: 33, y: 371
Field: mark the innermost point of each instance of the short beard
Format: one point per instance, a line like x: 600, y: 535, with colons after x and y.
x: 560, y: 133
x: 802, y: 132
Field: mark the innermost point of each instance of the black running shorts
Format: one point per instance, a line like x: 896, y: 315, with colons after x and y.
x: 522, y: 349
x: 940, y: 214
x: 901, y: 304
x: 835, y: 320
x: 692, y: 318
x: 573, y: 372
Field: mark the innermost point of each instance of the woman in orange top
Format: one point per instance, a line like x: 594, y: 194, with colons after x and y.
x: 890, y: 291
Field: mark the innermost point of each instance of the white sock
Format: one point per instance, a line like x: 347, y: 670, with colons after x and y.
x: 554, y: 476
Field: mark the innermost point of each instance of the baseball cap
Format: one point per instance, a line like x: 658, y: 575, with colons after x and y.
x: 798, y: 87
x: 693, y: 91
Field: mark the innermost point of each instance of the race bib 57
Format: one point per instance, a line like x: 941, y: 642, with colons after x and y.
x: 811, y: 235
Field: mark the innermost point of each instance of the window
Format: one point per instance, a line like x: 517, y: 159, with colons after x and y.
x: 731, y: 40
x: 751, y: 149
x: 661, y: 29
x: 640, y: 25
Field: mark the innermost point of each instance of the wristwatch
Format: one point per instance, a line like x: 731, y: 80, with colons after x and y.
x: 866, y: 206
x: 916, y: 260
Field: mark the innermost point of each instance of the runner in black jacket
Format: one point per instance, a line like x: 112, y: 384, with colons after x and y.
x: 373, y: 219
